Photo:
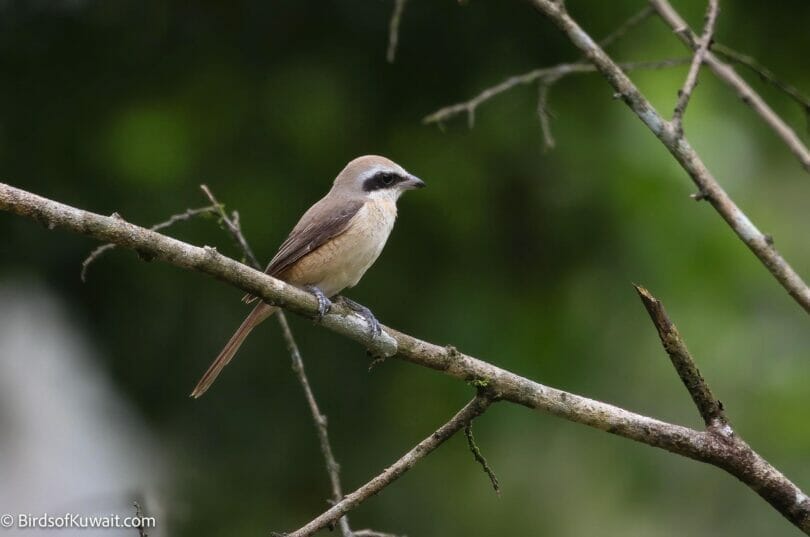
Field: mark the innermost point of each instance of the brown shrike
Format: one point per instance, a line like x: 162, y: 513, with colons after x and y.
x: 332, y: 246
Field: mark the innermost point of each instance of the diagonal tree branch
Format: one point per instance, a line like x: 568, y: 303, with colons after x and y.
x: 702, y: 48
x: 727, y: 452
x: 729, y: 76
x: 760, y: 244
x: 463, y: 418
x: 710, y: 408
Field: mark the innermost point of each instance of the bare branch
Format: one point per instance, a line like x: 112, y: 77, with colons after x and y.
x: 547, y: 75
x: 185, y: 215
x: 480, y: 459
x: 702, y: 48
x: 473, y: 409
x: 393, y: 30
x: 683, y: 152
x: 710, y: 408
x: 727, y: 452
x: 729, y: 76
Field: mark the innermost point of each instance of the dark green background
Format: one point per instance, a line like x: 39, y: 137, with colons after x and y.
x: 519, y: 257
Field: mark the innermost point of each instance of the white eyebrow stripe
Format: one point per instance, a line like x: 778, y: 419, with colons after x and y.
x: 371, y: 172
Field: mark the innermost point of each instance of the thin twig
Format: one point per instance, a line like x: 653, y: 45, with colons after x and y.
x: 546, y: 74
x: 139, y: 515
x: 393, y: 29
x: 730, y: 77
x: 766, y: 75
x: 543, y: 113
x: 697, y: 61
x: 728, y: 453
x: 710, y: 408
x: 626, y: 26
x: 480, y: 459
x: 332, y: 466
x: 173, y: 219
x: 321, y: 423
x: 233, y: 227
x: 473, y: 409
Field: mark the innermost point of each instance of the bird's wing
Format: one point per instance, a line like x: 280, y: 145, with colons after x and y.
x: 322, y: 222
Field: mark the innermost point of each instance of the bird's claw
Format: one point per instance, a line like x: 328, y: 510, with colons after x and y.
x: 324, y: 304
x: 374, y: 325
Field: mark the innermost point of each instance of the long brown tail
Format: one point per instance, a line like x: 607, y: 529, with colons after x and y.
x: 261, y: 312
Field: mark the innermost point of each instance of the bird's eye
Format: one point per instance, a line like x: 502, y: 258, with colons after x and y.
x: 388, y: 179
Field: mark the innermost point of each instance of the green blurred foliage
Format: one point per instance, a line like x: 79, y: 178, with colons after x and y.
x: 520, y: 257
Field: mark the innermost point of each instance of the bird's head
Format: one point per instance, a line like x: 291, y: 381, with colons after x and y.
x: 375, y: 176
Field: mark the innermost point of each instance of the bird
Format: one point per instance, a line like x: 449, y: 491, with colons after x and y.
x: 331, y: 247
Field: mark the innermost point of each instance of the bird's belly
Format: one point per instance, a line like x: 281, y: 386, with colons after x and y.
x: 342, y: 261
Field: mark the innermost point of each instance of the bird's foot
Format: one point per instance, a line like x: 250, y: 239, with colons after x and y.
x: 324, y: 304
x: 365, y: 313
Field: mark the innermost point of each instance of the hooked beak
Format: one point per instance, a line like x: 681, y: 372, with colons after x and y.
x: 412, y: 182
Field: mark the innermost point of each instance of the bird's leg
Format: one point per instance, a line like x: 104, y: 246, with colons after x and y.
x: 365, y: 313
x: 324, y: 304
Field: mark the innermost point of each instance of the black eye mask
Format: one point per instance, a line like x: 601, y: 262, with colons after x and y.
x: 382, y: 180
